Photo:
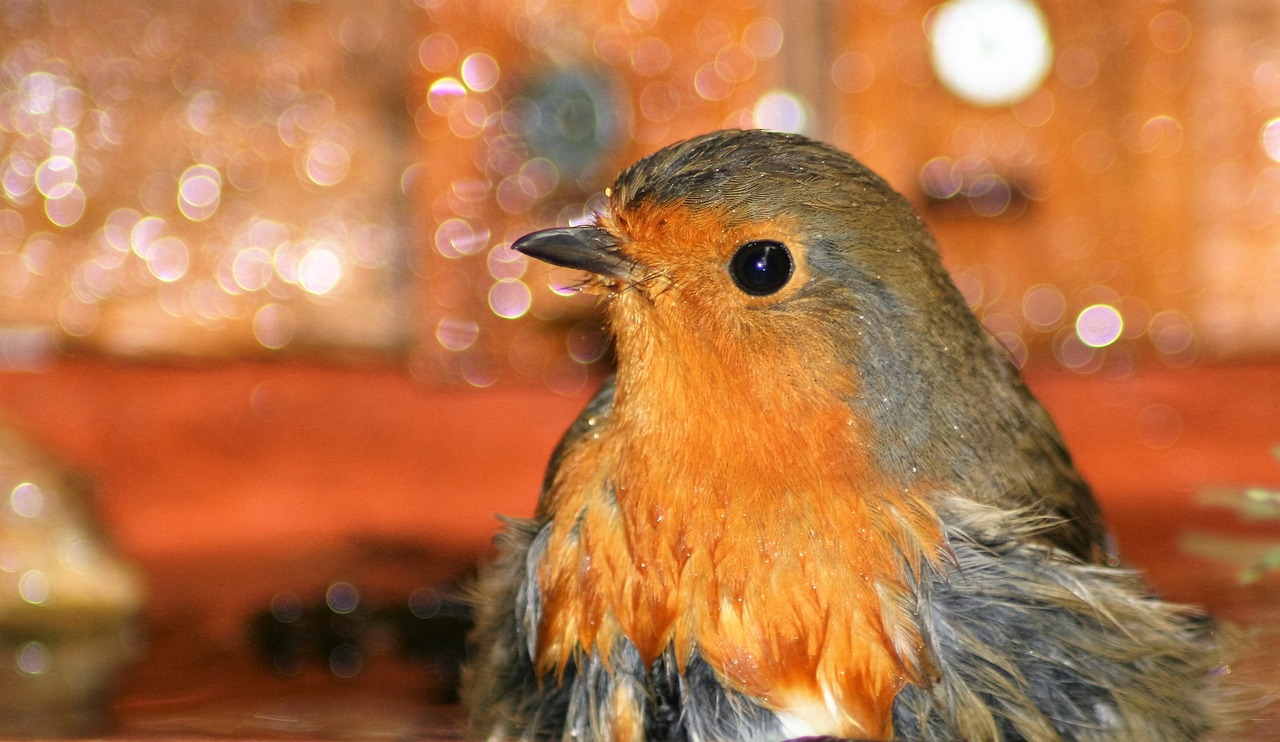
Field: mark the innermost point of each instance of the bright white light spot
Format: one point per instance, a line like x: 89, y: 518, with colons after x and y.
x: 18, y: 177
x: 319, y: 271
x: 709, y: 85
x: 990, y: 52
x: 779, y: 110
x: 26, y: 500
x: 507, y: 263
x: 118, y: 229
x: 445, y: 94
x: 33, y: 587
x: 66, y: 208
x: 199, y: 191
x: 55, y: 176
x: 456, y: 237
x: 168, y: 259
x: 480, y: 72
x: 1099, y: 325
x: 509, y: 298
x: 1271, y: 138
x: 144, y: 234
x: 38, y: 92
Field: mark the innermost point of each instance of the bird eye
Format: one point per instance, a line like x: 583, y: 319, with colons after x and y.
x: 761, y: 267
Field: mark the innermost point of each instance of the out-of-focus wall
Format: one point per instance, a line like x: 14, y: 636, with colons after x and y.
x: 267, y: 178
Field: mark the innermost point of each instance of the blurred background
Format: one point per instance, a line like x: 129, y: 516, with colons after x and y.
x: 268, y: 367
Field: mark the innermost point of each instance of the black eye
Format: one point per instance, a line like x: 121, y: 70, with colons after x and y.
x: 761, y: 267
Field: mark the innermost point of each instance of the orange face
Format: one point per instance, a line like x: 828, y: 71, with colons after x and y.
x: 726, y: 505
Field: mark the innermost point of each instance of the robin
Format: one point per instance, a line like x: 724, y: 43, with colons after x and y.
x: 815, y: 499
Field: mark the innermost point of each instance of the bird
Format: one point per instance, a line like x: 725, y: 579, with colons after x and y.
x: 814, y: 498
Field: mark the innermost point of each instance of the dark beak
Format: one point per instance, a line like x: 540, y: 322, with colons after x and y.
x: 586, y: 248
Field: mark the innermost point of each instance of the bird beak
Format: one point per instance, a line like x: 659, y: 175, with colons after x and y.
x: 587, y: 248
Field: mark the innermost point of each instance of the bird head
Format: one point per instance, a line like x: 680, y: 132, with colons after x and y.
x: 770, y: 258
x: 769, y: 251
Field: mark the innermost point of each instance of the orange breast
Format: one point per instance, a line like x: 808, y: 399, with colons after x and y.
x: 752, y: 530
x: 728, y: 506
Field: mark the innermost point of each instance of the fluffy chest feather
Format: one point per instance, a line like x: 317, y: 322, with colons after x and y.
x: 728, y: 509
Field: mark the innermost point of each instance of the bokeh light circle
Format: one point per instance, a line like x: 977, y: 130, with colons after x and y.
x: 1099, y: 325
x: 780, y: 110
x: 990, y: 52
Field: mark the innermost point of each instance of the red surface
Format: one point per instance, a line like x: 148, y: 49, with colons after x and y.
x: 231, y: 456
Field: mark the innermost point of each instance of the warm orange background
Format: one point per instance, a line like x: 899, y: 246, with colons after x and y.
x: 229, y: 480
